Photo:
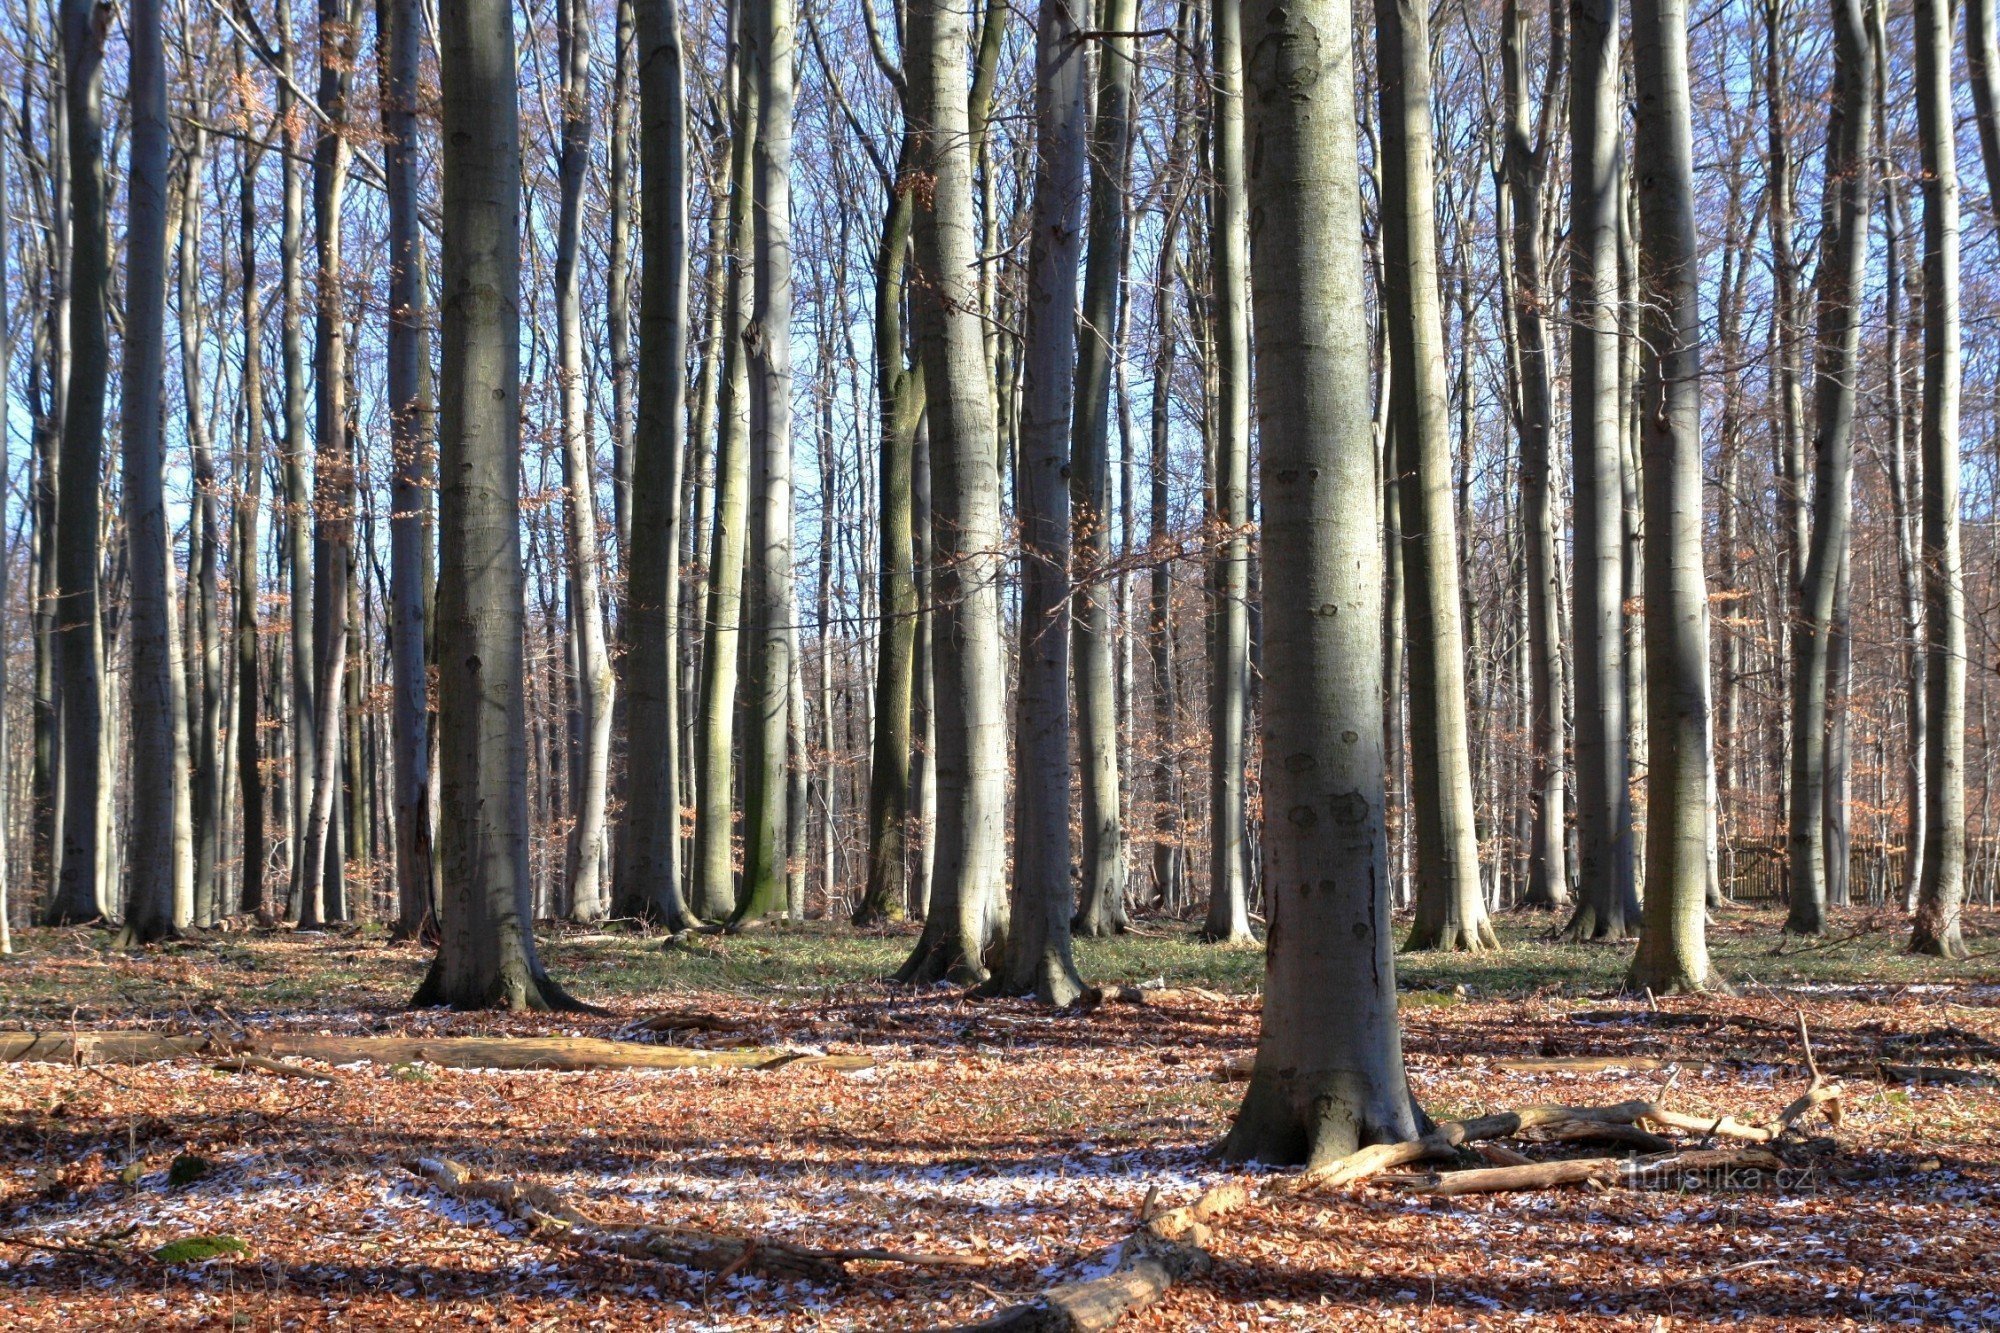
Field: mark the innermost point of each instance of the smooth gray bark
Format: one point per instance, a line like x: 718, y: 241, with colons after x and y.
x: 149, y: 893
x: 969, y: 851
x: 1329, y: 1071
x: 595, y: 689
x: 1941, y: 888
x: 1229, y: 635
x: 1101, y: 894
x: 1607, y: 889
x: 74, y: 604
x: 1842, y: 278
x: 1038, y: 938
x: 649, y: 862
x: 1451, y: 913
x: 1673, y: 948
x: 486, y: 957
x: 770, y: 52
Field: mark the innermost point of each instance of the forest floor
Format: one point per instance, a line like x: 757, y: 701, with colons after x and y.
x: 1021, y: 1140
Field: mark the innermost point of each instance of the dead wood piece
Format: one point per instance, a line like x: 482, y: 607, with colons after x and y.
x: 1130, y: 1275
x: 1234, y: 1069
x: 1963, y: 1078
x: 1499, y: 1154
x: 522, y: 1053
x: 245, y: 1061
x: 1578, y: 1064
x: 1453, y: 1134
x: 550, y: 1216
x: 1163, y: 996
x: 687, y: 1020
x: 1589, y: 1131
x: 1604, y: 1170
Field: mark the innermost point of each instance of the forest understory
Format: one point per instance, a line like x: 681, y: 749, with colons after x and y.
x: 1004, y: 1145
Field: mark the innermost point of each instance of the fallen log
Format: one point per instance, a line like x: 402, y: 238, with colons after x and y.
x: 1600, y: 1170
x: 514, y: 1053
x: 1578, y: 1064
x: 1447, y: 1138
x: 1162, y: 995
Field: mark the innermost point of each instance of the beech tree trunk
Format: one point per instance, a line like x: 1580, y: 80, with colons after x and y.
x: 969, y: 851
x: 149, y: 901
x: 74, y: 608
x: 1101, y: 895
x: 1229, y: 637
x: 1329, y: 1072
x: 1673, y: 948
x: 1038, y: 938
x: 594, y: 685
x: 1525, y: 166
x: 1941, y: 888
x: 486, y: 957
x: 649, y: 864
x: 1451, y: 914
x: 769, y: 49
x: 1842, y: 277
x: 411, y: 420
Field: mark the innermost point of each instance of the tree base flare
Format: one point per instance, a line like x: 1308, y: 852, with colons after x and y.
x: 1452, y: 936
x: 1282, y: 1123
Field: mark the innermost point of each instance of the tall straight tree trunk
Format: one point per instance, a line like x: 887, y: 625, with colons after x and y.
x: 770, y: 51
x: 1329, y: 1071
x: 648, y: 879
x: 1905, y: 472
x: 1982, y: 59
x: 1842, y: 278
x: 899, y: 387
x: 1525, y: 167
x: 486, y: 957
x: 594, y: 686
x: 149, y: 902
x: 1839, y: 766
x: 322, y: 889
x: 1607, y: 890
x: 6, y: 555
x: 1673, y: 946
x: 411, y: 423
x: 1038, y: 937
x: 1787, y: 314
x: 1228, y: 917
x: 298, y: 498
x: 1941, y: 889
x: 1451, y: 914
x: 969, y: 850
x: 204, y: 674
x: 79, y: 653
x: 1101, y: 896
x: 618, y: 274
x: 715, y: 878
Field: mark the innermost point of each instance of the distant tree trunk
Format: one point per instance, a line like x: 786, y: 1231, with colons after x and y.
x: 1941, y: 889
x: 1903, y: 467
x: 900, y: 403
x: 411, y: 421
x: 1842, y: 278
x: 1525, y: 166
x: 648, y: 879
x: 204, y: 675
x: 1101, y: 895
x: 322, y: 891
x: 486, y: 957
x: 1038, y: 937
x: 618, y: 276
x: 149, y: 903
x: 74, y: 606
x: 298, y: 498
x: 1839, y: 759
x: 715, y: 878
x: 6, y: 552
x: 1329, y: 1071
x: 1787, y: 313
x: 594, y: 686
x: 1451, y: 914
x: 1229, y: 643
x: 771, y: 50
x: 1673, y: 948
x: 969, y: 852
x: 923, y: 723
x: 1982, y: 59
x: 1607, y: 891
